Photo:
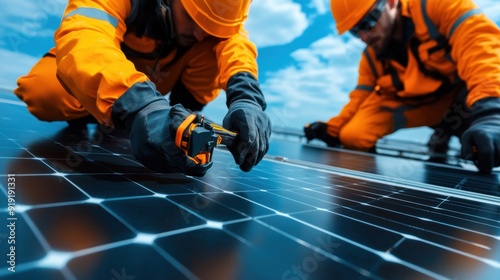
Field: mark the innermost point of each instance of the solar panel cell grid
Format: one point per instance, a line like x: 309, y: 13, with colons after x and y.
x: 85, y: 209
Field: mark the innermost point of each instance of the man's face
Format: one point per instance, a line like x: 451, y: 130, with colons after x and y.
x: 376, y: 31
x: 187, y: 32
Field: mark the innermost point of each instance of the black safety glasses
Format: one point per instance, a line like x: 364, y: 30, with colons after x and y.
x: 369, y: 21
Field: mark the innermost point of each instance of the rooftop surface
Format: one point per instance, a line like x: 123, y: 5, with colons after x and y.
x: 83, y: 208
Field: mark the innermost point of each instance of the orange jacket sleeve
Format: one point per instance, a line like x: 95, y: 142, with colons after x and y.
x: 90, y: 63
x: 475, y: 45
x: 234, y: 55
x: 365, y: 86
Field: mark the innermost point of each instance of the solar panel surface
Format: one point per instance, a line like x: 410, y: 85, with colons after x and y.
x: 85, y: 209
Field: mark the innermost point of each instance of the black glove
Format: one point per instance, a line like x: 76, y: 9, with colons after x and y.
x: 318, y: 130
x: 145, y: 113
x: 246, y: 116
x: 481, y: 141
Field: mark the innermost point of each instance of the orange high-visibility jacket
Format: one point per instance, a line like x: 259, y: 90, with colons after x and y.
x: 97, y: 37
x: 455, y: 39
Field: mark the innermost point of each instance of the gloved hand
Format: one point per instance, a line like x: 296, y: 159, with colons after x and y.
x: 318, y: 130
x: 481, y: 141
x: 146, y: 114
x: 247, y: 117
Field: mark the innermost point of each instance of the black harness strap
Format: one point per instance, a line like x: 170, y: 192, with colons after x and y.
x: 447, y: 85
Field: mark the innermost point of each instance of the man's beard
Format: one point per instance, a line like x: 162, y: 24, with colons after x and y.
x: 387, y: 41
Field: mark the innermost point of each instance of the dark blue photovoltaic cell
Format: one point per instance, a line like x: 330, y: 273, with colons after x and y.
x: 84, y: 208
x: 37, y: 273
x: 107, y: 186
x: 153, y: 214
x: 124, y: 262
x: 28, y: 248
x: 46, y: 189
x: 77, y: 227
x: 24, y: 166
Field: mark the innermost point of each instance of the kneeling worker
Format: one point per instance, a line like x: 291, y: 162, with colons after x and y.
x: 114, y: 61
x: 432, y: 63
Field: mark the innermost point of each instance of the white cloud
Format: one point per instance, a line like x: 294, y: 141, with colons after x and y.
x: 314, y: 88
x: 317, y: 86
x: 28, y: 18
x: 14, y: 65
x: 491, y: 8
x: 276, y: 24
x: 321, y: 6
x: 32, y: 9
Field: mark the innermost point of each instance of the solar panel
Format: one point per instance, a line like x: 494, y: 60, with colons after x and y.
x: 84, y: 208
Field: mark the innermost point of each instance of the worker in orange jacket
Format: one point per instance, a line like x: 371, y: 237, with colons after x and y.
x: 115, y: 60
x: 429, y: 63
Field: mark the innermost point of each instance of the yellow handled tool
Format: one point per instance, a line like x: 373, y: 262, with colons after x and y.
x: 198, y: 138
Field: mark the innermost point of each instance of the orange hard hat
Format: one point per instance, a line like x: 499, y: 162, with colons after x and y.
x: 347, y: 13
x: 221, y: 18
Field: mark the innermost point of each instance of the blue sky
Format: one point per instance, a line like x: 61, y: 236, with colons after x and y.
x: 305, y: 69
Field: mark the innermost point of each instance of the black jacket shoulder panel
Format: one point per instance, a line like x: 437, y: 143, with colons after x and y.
x: 146, y: 19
